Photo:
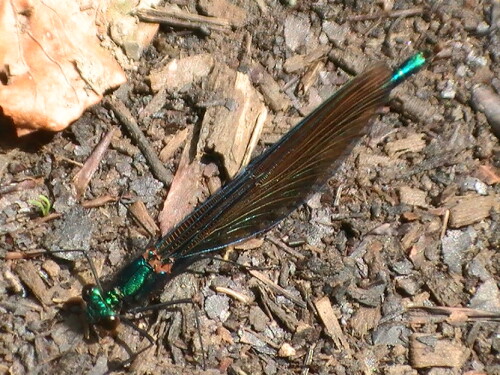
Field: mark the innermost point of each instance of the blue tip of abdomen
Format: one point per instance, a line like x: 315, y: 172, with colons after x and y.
x: 407, y: 68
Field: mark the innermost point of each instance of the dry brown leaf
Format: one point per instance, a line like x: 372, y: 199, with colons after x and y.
x: 52, y: 65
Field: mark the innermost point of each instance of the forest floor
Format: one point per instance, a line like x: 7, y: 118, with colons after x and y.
x: 393, y: 268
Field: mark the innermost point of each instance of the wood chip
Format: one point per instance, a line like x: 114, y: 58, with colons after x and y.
x: 446, y: 219
x: 184, y: 194
x: 413, y: 143
x: 367, y: 160
x: 232, y: 132
x: 99, y: 201
x: 410, y: 216
x: 412, y: 197
x: 287, y: 319
x: 84, y: 175
x: 30, y: 276
x: 434, y: 351
x: 452, y: 315
x: 225, y: 335
x: 13, y: 282
x: 271, y: 90
x: 365, y: 319
x: 223, y: 9
x: 154, y: 105
x: 327, y: 315
x: 126, y: 31
x: 51, y: 267
x: 487, y: 101
x: 250, y: 244
x: 310, y: 77
x: 174, y: 144
x: 446, y: 288
x: 140, y: 213
x: 488, y: 174
x: 181, y: 72
x: 299, y: 62
x: 471, y: 209
x: 352, y: 63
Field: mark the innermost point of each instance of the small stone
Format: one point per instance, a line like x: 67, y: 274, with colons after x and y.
x: 335, y: 32
x: 217, y: 307
x: 404, y: 267
x: 258, y: 319
x: 286, y: 351
x: 478, y: 267
x: 408, y: 285
x: 297, y: 29
x: 455, y: 245
x: 476, y: 61
x: 474, y: 184
x: 449, y: 91
x: 487, y: 297
x: 482, y: 28
x: 391, y: 334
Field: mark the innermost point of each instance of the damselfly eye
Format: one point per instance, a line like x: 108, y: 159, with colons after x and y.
x: 88, y: 291
x: 110, y: 323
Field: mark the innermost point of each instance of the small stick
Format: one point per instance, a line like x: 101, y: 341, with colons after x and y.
x: 71, y: 161
x: 394, y: 14
x: 277, y: 288
x: 49, y: 217
x: 446, y: 218
x: 286, y: 248
x: 99, y: 201
x: 125, y: 117
x: 177, y: 18
x: 308, y: 359
x: 234, y: 294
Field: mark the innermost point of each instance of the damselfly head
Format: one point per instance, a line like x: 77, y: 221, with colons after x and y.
x: 99, y: 308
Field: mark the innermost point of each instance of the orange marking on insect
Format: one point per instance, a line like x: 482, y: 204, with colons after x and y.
x: 155, y: 261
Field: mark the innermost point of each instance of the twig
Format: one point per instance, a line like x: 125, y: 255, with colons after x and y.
x: 99, y: 201
x: 234, y: 294
x: 454, y: 314
x: 275, y: 310
x: 286, y: 248
x: 394, y: 14
x: 308, y: 359
x: 446, y: 218
x: 277, y: 288
x: 125, y: 117
x: 177, y: 18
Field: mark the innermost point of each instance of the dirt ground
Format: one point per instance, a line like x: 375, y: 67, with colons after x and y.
x: 411, y: 219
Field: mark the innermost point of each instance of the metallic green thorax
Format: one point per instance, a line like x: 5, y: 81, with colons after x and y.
x: 407, y: 68
x: 134, y: 282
